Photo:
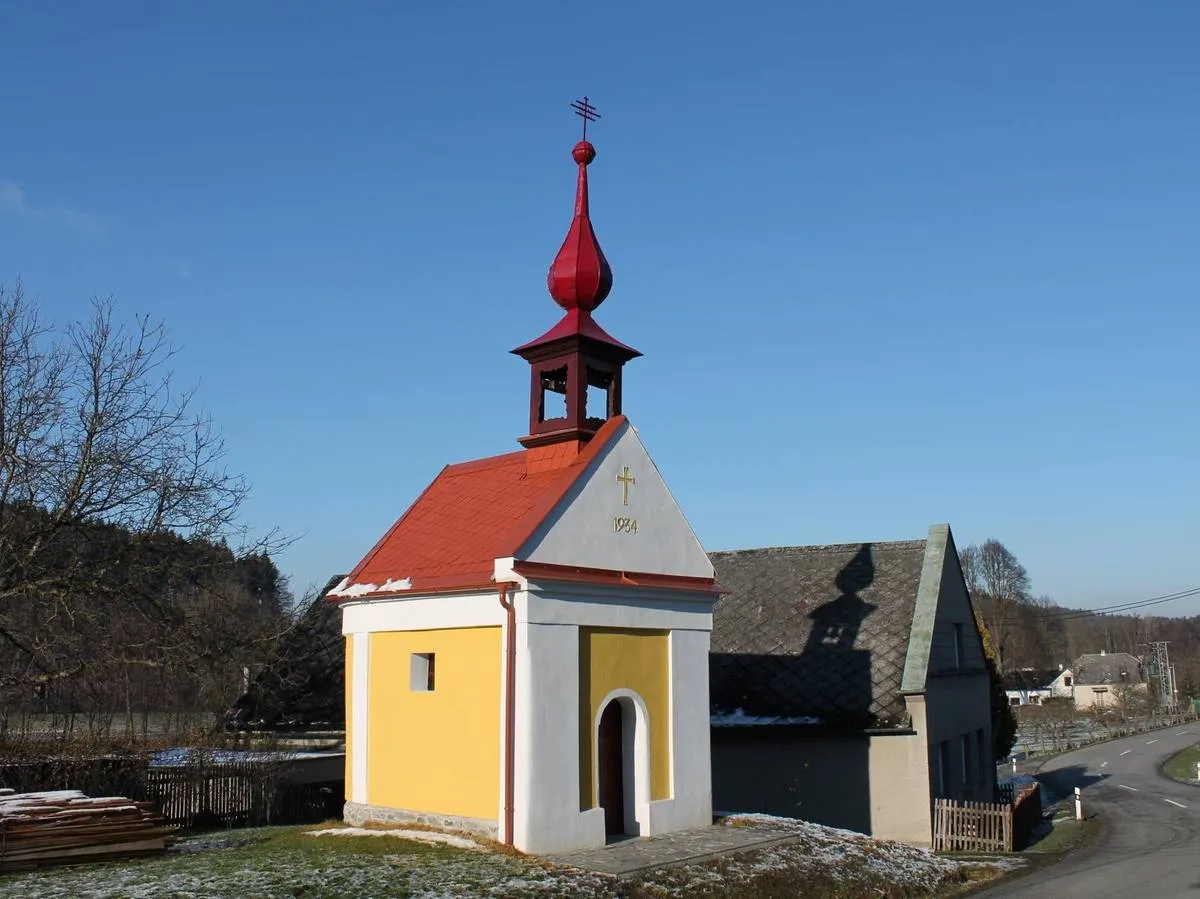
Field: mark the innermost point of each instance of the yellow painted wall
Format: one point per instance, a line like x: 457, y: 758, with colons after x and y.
x: 637, y: 660
x: 436, y: 751
x: 349, y: 716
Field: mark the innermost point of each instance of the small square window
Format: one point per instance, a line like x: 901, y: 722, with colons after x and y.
x: 422, y: 672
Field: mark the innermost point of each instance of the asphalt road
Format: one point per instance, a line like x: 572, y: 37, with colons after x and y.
x: 1149, y: 843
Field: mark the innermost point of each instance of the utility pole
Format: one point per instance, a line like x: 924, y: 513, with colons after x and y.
x: 1159, y: 669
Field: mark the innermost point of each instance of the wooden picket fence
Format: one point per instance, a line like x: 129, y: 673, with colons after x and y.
x: 960, y: 826
x: 232, y: 794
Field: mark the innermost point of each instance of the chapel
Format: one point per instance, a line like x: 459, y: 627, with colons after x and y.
x: 527, y: 647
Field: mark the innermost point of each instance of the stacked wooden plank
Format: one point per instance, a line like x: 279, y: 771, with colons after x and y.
x: 66, y: 827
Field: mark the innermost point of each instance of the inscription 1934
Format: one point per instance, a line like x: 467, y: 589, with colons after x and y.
x: 624, y: 525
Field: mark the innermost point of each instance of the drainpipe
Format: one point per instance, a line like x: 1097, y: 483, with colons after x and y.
x: 510, y: 714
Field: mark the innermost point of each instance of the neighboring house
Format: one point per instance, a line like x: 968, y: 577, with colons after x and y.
x: 1108, y: 680
x: 849, y: 685
x: 1030, y: 686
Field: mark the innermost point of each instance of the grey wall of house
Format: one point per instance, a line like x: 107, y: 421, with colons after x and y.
x: 780, y: 771
x: 874, y: 785
x: 957, y: 697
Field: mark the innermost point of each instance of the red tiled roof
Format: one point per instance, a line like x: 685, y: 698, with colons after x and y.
x: 474, y: 513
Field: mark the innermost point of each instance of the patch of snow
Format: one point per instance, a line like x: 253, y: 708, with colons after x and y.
x: 353, y: 590
x: 347, y: 589
x: 183, y: 755
x: 1019, y: 780
x: 421, y: 836
x: 738, y: 718
x: 47, y: 796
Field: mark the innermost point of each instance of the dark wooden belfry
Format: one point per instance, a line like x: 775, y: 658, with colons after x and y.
x: 576, y: 354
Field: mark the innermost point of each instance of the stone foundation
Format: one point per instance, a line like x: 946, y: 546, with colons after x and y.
x: 358, y: 813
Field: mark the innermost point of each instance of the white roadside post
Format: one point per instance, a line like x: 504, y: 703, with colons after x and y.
x: 1078, y: 805
x: 1197, y: 770
x: 1015, y: 765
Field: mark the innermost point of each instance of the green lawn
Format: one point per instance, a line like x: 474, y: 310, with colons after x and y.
x: 1061, y: 835
x: 1182, y: 765
x: 277, y: 862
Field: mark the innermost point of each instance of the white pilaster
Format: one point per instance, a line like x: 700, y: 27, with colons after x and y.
x: 360, y: 705
x: 547, y: 817
x: 690, y: 804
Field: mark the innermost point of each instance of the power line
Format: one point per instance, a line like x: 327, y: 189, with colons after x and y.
x: 1068, y: 614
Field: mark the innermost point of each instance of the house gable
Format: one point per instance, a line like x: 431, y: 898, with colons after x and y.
x: 945, y: 637
x: 619, y: 515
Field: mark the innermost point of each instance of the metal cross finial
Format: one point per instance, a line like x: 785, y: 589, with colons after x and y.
x: 586, y: 111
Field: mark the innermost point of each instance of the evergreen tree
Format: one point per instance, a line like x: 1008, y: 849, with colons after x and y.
x: 1004, y: 722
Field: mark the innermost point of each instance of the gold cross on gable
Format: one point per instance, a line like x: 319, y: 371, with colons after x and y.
x: 626, y: 480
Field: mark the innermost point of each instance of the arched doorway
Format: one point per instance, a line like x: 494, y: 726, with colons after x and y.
x: 611, y: 762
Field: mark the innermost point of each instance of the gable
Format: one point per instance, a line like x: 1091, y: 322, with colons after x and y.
x: 945, y: 637
x: 619, y: 515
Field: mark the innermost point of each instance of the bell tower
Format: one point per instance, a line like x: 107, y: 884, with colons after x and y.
x: 576, y: 360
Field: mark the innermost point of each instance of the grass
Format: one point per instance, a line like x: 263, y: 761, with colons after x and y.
x: 1062, y: 834
x: 1182, y: 765
x: 279, y: 862
x: 274, y: 862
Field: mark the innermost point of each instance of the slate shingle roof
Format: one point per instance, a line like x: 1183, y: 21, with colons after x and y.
x: 1030, y: 679
x: 819, y: 631
x: 1094, y: 668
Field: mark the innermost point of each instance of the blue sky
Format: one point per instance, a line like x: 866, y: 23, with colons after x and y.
x: 889, y: 264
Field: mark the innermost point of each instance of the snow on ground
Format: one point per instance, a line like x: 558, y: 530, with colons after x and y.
x: 841, y: 855
x: 1017, y: 780
x: 283, y: 862
x: 183, y: 755
x: 421, y: 836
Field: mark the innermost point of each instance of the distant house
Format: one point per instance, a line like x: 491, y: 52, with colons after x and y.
x: 1031, y: 686
x: 1108, y: 680
x: 849, y: 685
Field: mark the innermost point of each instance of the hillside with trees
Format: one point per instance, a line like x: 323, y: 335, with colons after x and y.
x: 1035, y: 632
x: 127, y: 583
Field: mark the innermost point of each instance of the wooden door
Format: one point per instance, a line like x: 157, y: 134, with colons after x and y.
x: 612, y: 781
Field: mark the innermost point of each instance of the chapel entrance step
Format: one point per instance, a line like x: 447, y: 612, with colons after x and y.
x: 637, y: 855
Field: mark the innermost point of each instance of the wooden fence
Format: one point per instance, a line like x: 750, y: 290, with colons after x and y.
x: 232, y: 794
x: 987, y: 826
x: 972, y: 826
x: 194, y: 795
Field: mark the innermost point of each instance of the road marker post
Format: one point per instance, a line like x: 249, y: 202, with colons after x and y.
x: 1078, y: 805
x: 1197, y: 770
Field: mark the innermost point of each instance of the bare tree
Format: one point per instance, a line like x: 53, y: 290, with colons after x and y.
x: 106, y: 471
x: 999, y: 584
